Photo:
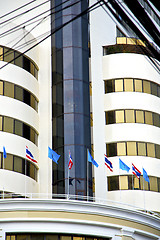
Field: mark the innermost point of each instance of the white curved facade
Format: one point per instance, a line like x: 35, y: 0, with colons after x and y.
x: 35, y: 124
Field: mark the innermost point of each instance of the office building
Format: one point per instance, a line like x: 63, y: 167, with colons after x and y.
x: 44, y: 99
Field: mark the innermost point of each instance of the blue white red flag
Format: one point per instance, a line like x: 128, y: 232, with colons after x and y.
x: 108, y: 163
x: 135, y: 171
x: 29, y: 155
x: 70, y: 164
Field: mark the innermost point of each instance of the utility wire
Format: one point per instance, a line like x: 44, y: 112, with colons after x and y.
x: 31, y: 41
x: 17, y: 9
x: 54, y: 31
x: 29, y: 10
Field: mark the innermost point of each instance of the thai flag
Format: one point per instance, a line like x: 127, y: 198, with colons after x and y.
x: 29, y: 155
x: 108, y: 163
x: 70, y: 161
x: 135, y: 171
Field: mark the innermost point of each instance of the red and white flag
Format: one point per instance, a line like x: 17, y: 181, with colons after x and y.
x: 70, y: 161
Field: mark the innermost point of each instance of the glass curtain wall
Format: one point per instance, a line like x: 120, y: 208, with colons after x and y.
x: 70, y: 97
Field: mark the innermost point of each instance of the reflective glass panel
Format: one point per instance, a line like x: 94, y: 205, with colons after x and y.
x: 1, y: 87
x: 8, y: 55
x: 156, y: 119
x: 18, y: 60
x: 119, y: 116
x: 111, y: 149
x: 131, y: 149
x: 144, y: 184
x: 150, y: 150
x: 123, y: 182
x: 8, y: 125
x: 137, y: 85
x: 1, y: 53
x: 18, y: 130
x: 19, y: 93
x: 65, y: 237
x: 113, y: 183
x: 32, y: 68
x: 8, y: 163
x: 136, y: 182
x: 157, y: 147
x: 128, y: 85
x: 91, y: 119
x: 129, y: 116
x: 9, y: 89
x: 1, y: 165
x: 141, y: 149
x: 121, y: 149
x: 32, y: 101
x: 32, y: 168
x: 52, y: 237
x: 32, y: 135
x: 154, y: 89
x: 109, y: 86
x: 139, y: 116
x: 153, y: 184
x: 148, y: 118
x: 18, y: 164
x: 110, y: 117
x: 1, y: 119
x: 119, y: 85
x: 146, y: 86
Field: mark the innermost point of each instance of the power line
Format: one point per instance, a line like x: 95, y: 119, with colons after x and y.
x: 17, y: 9
x: 31, y: 41
x: 54, y: 31
x: 24, y: 12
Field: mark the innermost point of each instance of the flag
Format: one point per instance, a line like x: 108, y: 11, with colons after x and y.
x: 53, y: 155
x: 70, y: 161
x: 123, y: 166
x: 135, y: 171
x: 4, y: 152
x: 90, y: 159
x: 145, y: 175
x: 108, y: 163
x: 29, y: 155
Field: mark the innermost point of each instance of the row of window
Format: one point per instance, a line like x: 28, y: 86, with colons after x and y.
x: 132, y: 116
x: 132, y: 85
x: 133, y: 149
x: 11, y: 125
x: 18, y: 164
x: 127, y: 40
x: 4, y: 195
x: 14, y: 91
x: 131, y: 182
x: 44, y: 236
x: 15, y: 57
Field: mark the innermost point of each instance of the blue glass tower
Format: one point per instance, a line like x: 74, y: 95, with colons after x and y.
x: 70, y: 97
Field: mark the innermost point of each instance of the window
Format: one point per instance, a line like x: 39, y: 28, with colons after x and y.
x: 9, y: 89
x: 156, y: 119
x: 121, y: 149
x: 8, y: 164
x: 153, y: 184
x: 8, y: 55
x: 110, y: 117
x: 128, y: 85
x: 150, y: 150
x: 1, y: 87
x: 131, y: 149
x: 113, y: 183
x: 129, y: 115
x: 111, y: 149
x: 137, y: 85
x: 139, y: 116
x: 123, y: 182
x: 1, y: 121
x: 1, y: 53
x: 19, y: 93
x: 8, y: 125
x: 109, y: 86
x: 18, y: 60
x: 157, y: 149
x: 141, y: 149
x: 148, y: 118
x: 154, y: 89
x: 119, y: 116
x: 18, y: 129
x: 119, y: 85
x: 26, y: 64
x: 18, y: 164
x: 146, y: 87
x: 26, y: 131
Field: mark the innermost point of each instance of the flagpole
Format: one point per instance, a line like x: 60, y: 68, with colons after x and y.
x: 68, y: 184
x: 3, y: 176
x: 144, y: 195
x: 25, y: 177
